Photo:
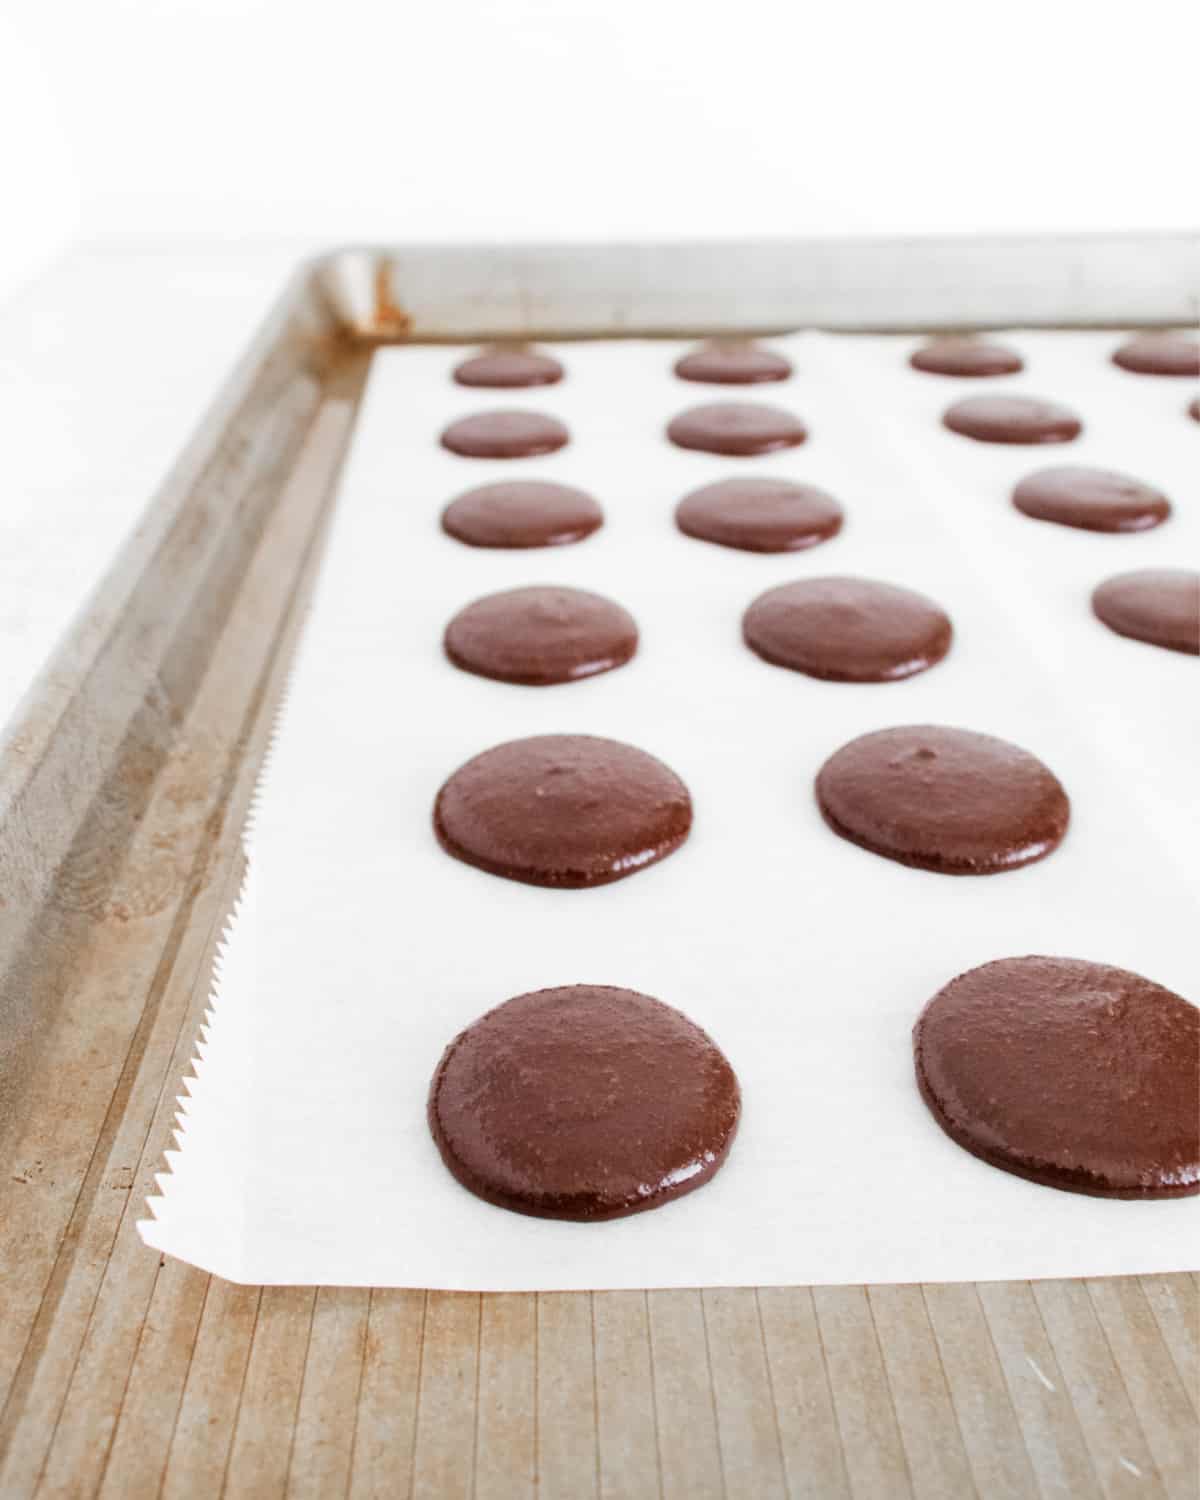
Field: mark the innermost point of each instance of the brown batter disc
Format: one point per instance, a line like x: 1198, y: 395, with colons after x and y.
x: 732, y: 362
x: 966, y: 357
x: 740, y: 429
x: 522, y: 513
x: 566, y: 810
x: 502, y: 367
x: 1160, y: 354
x: 541, y: 635
x: 1091, y: 499
x: 1012, y: 419
x: 847, y: 629
x: 505, y: 434
x: 1072, y: 1074
x: 1194, y: 410
x: 946, y: 800
x: 585, y: 1102
x: 1160, y: 606
x: 760, y: 515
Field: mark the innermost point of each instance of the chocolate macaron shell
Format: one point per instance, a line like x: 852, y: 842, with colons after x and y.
x: 586, y: 1102
x: 966, y: 357
x: 1169, y: 354
x: 541, y: 635
x: 732, y: 362
x: 566, y: 811
x: 1091, y: 500
x: 1159, y: 606
x: 505, y: 434
x: 847, y: 629
x: 1072, y: 1074
x: 522, y: 513
x: 508, y: 369
x: 758, y: 514
x: 946, y: 800
x: 1012, y: 419
x: 737, y: 429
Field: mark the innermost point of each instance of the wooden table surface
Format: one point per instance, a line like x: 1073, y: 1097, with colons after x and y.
x: 125, y: 1374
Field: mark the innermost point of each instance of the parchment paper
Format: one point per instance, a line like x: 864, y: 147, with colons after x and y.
x: 360, y: 949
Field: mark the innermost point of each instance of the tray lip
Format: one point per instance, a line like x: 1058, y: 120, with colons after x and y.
x: 1083, y: 262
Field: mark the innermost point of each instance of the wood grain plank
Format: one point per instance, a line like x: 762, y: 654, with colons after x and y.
x: 266, y: 1420
x: 567, y: 1454
x: 324, y: 1437
x: 751, y: 1449
x: 444, y: 1449
x: 937, y: 1460
x: 625, y: 1426
x: 138, y: 1454
x: 385, y: 1435
x: 1175, y: 1302
x: 506, y: 1415
x: 683, y: 1397
x: 1122, y: 1459
x: 1152, y: 1382
x: 199, y: 1447
x: 862, y: 1399
x: 812, y: 1445
x: 1040, y: 1397
x: 986, y: 1418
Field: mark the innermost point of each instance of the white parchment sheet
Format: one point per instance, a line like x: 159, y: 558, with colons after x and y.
x: 360, y: 948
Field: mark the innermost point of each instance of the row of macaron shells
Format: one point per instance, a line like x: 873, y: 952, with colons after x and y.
x: 775, y: 515
x: 743, y: 362
x: 647, y: 1154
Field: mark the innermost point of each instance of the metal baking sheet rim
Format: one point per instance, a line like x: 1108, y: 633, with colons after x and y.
x: 462, y: 292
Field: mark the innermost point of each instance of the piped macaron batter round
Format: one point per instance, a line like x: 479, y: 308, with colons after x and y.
x: 1013, y: 419
x: 966, y: 357
x: 522, y: 513
x: 941, y: 799
x: 541, y: 635
x: 848, y: 629
x: 732, y: 362
x: 563, y: 810
x: 505, y: 434
x: 1170, y: 354
x: 505, y: 368
x: 755, y: 513
x: 586, y: 1102
x: 1091, y: 499
x: 738, y: 429
x: 1072, y: 1074
x: 1160, y: 606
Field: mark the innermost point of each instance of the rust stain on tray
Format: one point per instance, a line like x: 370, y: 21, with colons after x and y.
x: 391, y: 321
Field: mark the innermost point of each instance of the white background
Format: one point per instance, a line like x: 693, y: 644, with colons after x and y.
x: 509, y: 119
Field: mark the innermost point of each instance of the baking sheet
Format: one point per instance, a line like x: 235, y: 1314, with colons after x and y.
x: 359, y: 948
